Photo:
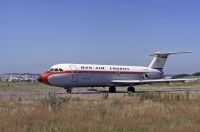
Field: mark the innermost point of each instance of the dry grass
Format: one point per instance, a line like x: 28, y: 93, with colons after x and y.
x: 142, y: 112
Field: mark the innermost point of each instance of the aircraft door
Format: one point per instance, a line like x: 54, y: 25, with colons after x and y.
x: 74, y: 73
x: 117, y: 75
x: 118, y: 72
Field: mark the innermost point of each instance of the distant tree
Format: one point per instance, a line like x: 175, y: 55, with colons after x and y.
x: 196, y: 74
x: 181, y: 76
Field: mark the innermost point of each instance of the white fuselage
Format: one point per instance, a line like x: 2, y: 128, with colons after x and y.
x: 90, y: 75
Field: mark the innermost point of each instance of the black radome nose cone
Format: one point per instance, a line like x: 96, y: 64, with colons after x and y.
x: 39, y: 79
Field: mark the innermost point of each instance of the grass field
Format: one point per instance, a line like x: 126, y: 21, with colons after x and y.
x: 140, y: 112
x: 16, y: 86
x: 145, y: 112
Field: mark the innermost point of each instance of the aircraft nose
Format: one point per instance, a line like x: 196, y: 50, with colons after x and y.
x: 39, y: 78
x: 43, y: 78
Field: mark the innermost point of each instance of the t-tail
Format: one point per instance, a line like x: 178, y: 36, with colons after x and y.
x: 160, y: 59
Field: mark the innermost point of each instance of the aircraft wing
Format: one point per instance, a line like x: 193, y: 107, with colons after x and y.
x: 150, y: 81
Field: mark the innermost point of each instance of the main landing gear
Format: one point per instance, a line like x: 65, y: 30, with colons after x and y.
x: 112, y: 89
x: 130, y: 89
x: 68, y: 90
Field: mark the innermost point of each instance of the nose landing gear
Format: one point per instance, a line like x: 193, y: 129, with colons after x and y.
x: 68, y: 90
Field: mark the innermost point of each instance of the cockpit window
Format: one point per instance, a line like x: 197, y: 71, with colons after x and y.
x: 51, y: 69
x: 60, y: 69
x: 56, y: 69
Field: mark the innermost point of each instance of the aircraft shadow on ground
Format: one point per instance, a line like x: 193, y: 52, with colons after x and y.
x: 94, y: 91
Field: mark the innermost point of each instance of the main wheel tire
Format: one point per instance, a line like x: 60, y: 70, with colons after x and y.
x: 69, y: 91
x: 112, y: 89
x: 131, y: 89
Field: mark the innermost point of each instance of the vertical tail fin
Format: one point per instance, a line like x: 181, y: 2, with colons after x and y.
x: 160, y: 59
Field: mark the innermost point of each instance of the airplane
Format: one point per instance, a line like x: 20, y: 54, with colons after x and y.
x: 70, y: 76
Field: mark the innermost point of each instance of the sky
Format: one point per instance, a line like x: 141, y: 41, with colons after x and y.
x: 36, y: 34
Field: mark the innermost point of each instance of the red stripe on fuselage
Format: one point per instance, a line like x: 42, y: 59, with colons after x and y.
x: 93, y: 72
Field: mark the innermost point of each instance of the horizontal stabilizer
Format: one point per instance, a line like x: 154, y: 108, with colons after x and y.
x: 168, y: 53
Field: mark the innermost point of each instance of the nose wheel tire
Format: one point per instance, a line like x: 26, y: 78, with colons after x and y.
x: 131, y: 89
x: 112, y: 89
x: 68, y: 90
